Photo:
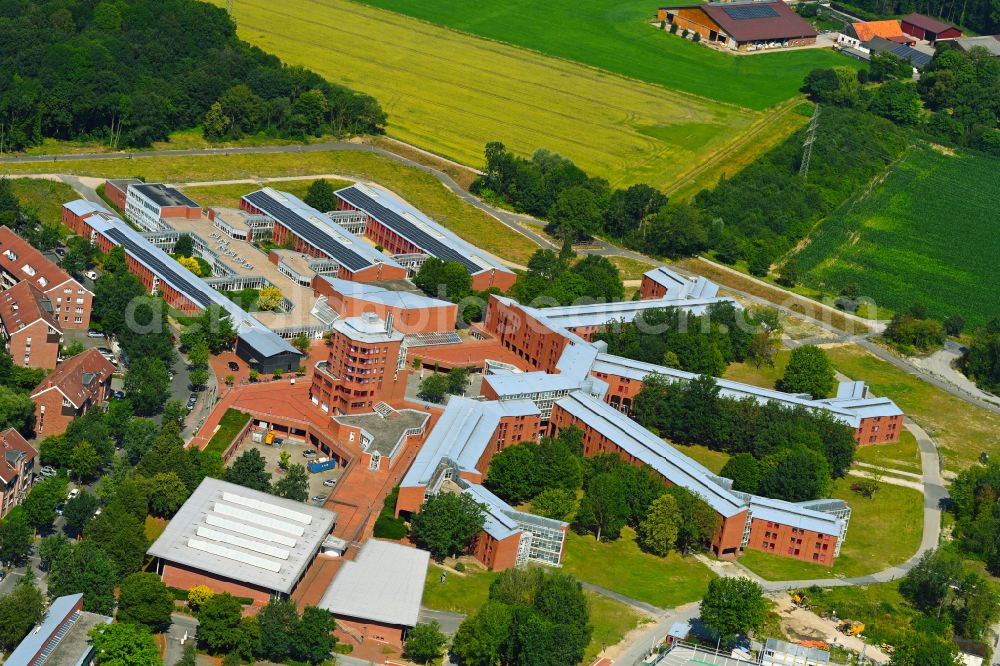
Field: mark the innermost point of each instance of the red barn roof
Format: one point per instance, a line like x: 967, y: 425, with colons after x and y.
x: 758, y: 21
x: 927, y: 23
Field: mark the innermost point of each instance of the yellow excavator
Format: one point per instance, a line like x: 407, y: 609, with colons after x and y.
x: 851, y: 627
x: 800, y: 600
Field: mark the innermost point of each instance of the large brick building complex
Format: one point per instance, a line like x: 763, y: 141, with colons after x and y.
x: 78, y: 385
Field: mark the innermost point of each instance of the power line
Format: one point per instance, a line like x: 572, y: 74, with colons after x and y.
x: 807, y: 146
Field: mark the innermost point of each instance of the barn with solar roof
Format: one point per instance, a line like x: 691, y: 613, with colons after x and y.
x: 245, y: 542
x: 742, y: 26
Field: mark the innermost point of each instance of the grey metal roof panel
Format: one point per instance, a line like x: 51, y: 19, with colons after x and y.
x: 32, y: 644
x: 164, y: 195
x: 417, y: 228
x: 498, y: 524
x: 316, y: 229
x: 384, y: 583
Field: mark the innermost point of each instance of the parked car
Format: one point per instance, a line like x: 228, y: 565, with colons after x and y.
x: 104, y: 351
x: 94, y: 334
x: 73, y: 494
x: 47, y: 471
x: 59, y: 509
x: 118, y: 395
x: 91, y: 274
x: 319, y: 498
x: 309, y: 453
x: 234, y: 366
x: 61, y: 251
x: 330, y: 483
x: 192, y: 399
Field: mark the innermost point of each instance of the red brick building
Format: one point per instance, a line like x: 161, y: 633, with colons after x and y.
x: 116, y: 190
x: 411, y: 312
x: 926, y: 28
x: 20, y: 262
x: 16, y: 469
x: 28, y: 326
x: 78, y: 385
x: 365, y: 366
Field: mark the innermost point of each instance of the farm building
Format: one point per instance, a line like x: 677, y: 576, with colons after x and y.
x: 742, y: 26
x: 864, y: 31
x: 990, y: 42
x: 926, y: 28
x: 242, y: 541
x: 917, y: 58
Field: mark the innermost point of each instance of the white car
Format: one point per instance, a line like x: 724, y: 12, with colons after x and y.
x: 94, y: 334
x: 91, y: 274
x: 73, y: 494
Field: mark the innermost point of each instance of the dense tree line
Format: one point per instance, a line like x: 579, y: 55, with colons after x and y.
x: 704, y: 344
x: 977, y: 513
x: 913, y: 331
x: 956, y: 101
x: 524, y: 471
x: 557, y: 279
x: 120, y: 73
x: 531, y: 617
x: 792, y: 453
x: 981, y: 360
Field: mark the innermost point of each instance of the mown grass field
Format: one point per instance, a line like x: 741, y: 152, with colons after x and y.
x: 617, y: 36
x: 419, y: 188
x: 884, y: 531
x: 229, y: 195
x: 962, y: 431
x: 451, y: 92
x: 44, y: 198
x: 926, y: 234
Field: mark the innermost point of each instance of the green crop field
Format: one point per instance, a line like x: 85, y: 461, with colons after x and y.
x: 451, y: 92
x: 617, y: 36
x: 926, y: 234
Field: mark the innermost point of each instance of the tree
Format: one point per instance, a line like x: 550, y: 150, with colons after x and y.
x: 953, y: 324
x: 556, y: 503
x: 924, y: 650
x: 216, y: 123
x: 52, y: 548
x: 795, y: 474
x: 302, y: 342
x: 87, y: 569
x: 313, y: 639
x: 20, y: 610
x: 198, y: 596
x: 444, y: 279
x: 320, y: 196
x: 514, y: 473
x: 278, y: 621
x: 763, y: 347
x: 886, y: 66
x: 733, y: 606
x: 84, y: 461
x: 198, y: 378
x: 576, y: 213
x: 424, y: 642
x: 481, y: 638
x: 79, y: 512
x: 433, y: 388
x: 604, y: 508
x: 16, y: 538
x: 146, y: 384
x: 184, y: 246
x: 214, y: 326
x: 561, y: 602
x: 788, y: 276
x: 219, y: 626
x: 699, y: 521
x: 198, y: 354
x: 138, y: 437
x: 745, y: 471
x: 42, y: 500
x: 191, y: 264
x: 122, y: 536
x: 269, y: 298
x: 124, y: 644
x: 928, y: 583
x: 175, y: 411
x: 808, y: 371
x: 897, y: 101
x: 294, y: 485
x: 16, y: 411
x: 657, y: 534
x: 144, y: 599
x: 250, y: 470
x: 165, y: 493
x: 447, y: 524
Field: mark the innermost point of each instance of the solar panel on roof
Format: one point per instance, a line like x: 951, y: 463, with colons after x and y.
x: 307, y: 231
x: 913, y: 55
x: 743, y: 12
x: 412, y: 232
x: 165, y: 272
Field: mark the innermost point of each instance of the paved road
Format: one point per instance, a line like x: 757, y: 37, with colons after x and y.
x: 183, y: 627
x: 652, y: 637
x: 449, y: 621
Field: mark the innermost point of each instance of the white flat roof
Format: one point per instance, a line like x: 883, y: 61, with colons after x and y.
x: 367, y: 328
x: 384, y: 583
x: 234, y: 532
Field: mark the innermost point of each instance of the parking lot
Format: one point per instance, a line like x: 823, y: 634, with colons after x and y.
x: 296, y: 448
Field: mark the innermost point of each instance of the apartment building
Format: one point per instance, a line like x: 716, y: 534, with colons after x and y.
x: 29, y: 328
x: 78, y: 385
x: 16, y: 469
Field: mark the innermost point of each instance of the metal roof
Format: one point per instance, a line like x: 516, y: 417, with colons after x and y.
x: 316, y: 229
x: 751, y: 24
x: 163, y: 195
x: 599, y: 314
x: 926, y: 23
x: 679, y: 286
x: 404, y: 300
x: 417, y: 228
x: 227, y: 530
x: 367, y: 328
x: 44, y: 632
x: 384, y: 584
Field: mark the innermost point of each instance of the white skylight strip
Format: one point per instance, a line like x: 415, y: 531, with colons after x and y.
x: 268, y: 507
x: 263, y: 521
x: 249, y: 530
x: 235, y: 555
x: 255, y: 546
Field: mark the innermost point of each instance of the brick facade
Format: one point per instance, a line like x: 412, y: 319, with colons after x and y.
x: 77, y: 386
x: 793, y: 542
x: 358, y: 375
x: 18, y: 462
x: 497, y: 554
x: 520, y: 333
x: 184, y: 578
x: 405, y: 320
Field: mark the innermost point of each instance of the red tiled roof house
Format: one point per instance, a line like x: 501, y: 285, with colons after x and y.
x: 15, y: 469
x: 28, y: 326
x: 77, y: 386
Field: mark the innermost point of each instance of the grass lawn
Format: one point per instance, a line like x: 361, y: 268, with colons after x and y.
x: 229, y: 195
x: 419, y: 188
x: 621, y: 567
x: 765, y: 376
x: 713, y: 460
x: 925, y: 234
x: 450, y: 92
x: 903, y: 455
x: 962, y: 431
x: 630, y: 269
x: 617, y: 36
x: 43, y: 197
x: 611, y: 621
x: 881, y: 607
x: 884, y: 531
x: 460, y: 593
